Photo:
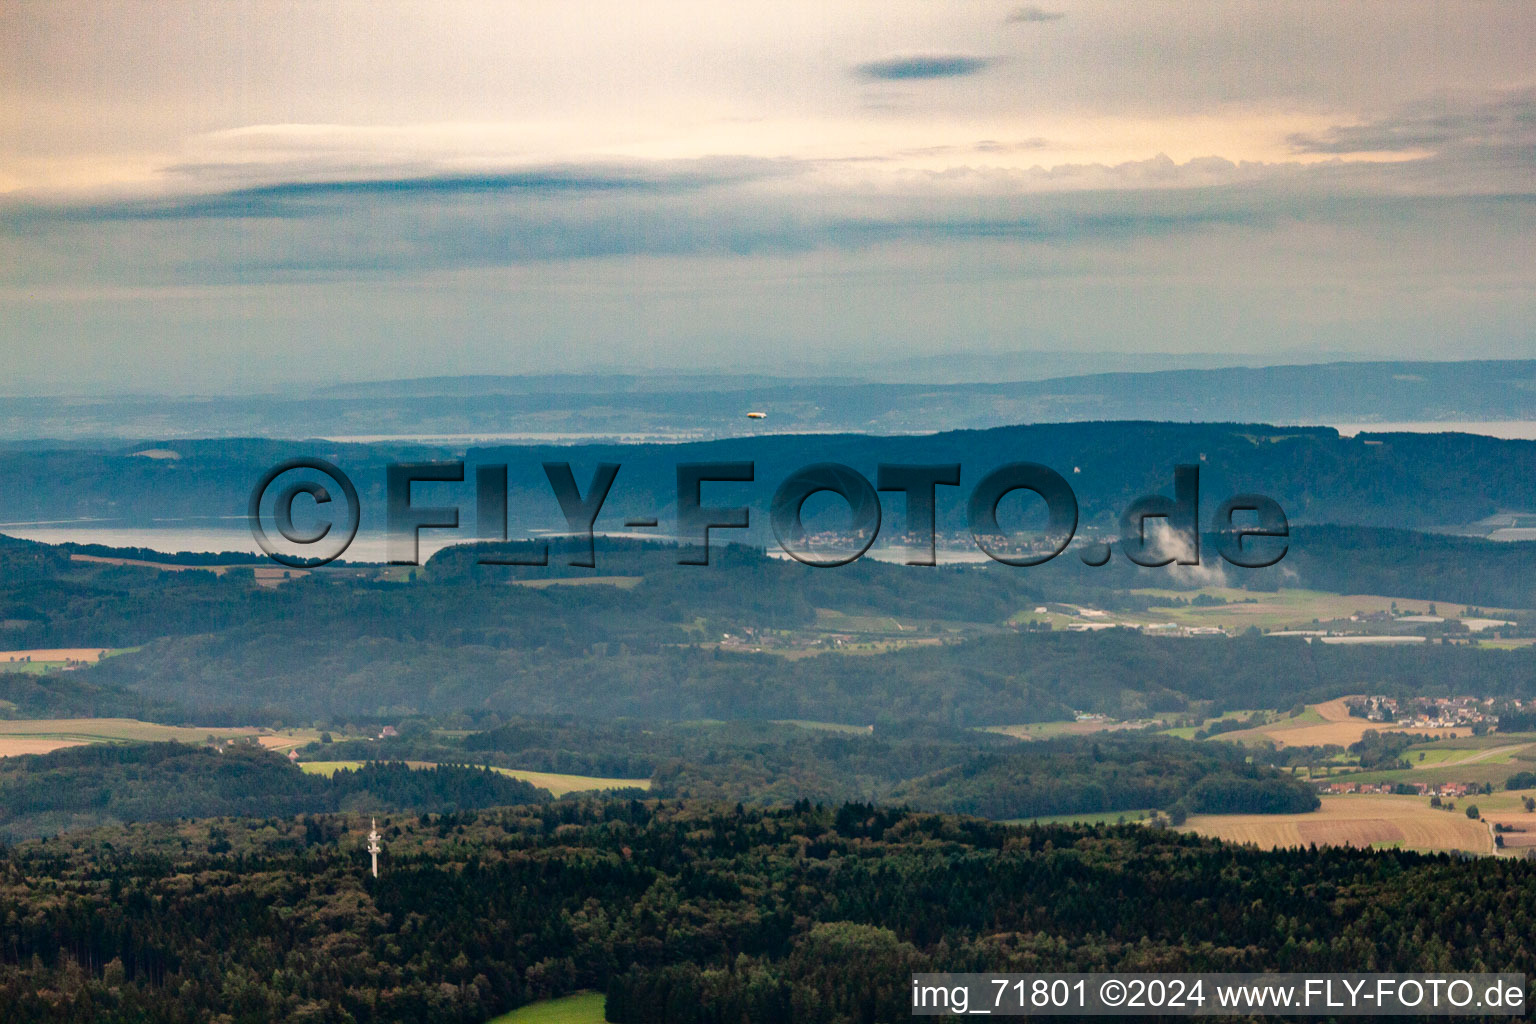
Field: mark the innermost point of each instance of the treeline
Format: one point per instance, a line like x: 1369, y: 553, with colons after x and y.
x: 85, y: 786
x: 694, y: 914
x: 187, y: 558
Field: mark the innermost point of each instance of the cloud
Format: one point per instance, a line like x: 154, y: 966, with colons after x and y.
x: 934, y: 65
x: 305, y: 198
x: 715, y: 209
x: 1162, y: 541
x: 1031, y: 13
x: 1509, y: 120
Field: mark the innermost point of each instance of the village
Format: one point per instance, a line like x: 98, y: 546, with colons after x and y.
x: 1473, y: 713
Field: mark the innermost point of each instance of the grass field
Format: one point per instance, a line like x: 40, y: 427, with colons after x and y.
x: 40, y: 735
x: 1187, y: 732
x: 558, y: 785
x: 1406, y: 822
x: 582, y: 1008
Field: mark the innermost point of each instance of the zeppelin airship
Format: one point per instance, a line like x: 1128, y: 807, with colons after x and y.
x: 757, y: 415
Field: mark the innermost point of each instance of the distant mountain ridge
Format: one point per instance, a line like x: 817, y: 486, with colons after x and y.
x: 705, y: 406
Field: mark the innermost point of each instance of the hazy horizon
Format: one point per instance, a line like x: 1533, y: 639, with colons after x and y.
x: 258, y: 197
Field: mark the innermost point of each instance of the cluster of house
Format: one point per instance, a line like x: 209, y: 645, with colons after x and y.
x: 1174, y: 629
x: 1441, y: 789
x: 752, y: 640
x: 1427, y: 712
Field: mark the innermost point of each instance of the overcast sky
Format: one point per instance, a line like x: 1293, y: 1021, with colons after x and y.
x: 224, y: 195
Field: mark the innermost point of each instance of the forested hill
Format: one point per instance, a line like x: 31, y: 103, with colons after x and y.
x: 694, y: 913
x: 333, y: 646
x: 914, y: 764
x: 80, y: 787
x: 1397, y: 480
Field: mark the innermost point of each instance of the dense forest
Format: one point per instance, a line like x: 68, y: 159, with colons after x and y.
x: 693, y: 913
x: 78, y: 787
x: 76, y: 695
x: 1085, y: 776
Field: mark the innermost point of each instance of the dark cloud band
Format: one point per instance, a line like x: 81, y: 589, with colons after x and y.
x: 938, y: 65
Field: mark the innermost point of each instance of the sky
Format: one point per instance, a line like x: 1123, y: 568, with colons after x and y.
x: 237, y: 196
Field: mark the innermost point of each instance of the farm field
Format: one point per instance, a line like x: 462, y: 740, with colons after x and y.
x: 1187, y: 732
x: 57, y: 655
x: 40, y: 735
x: 1284, y: 609
x: 1047, y: 730
x: 1322, y: 724
x: 39, y: 660
x: 266, y: 574
x: 1508, y: 809
x: 1406, y: 822
x: 1491, y: 759
x: 1266, y: 610
x: 581, y: 1008
x: 558, y: 785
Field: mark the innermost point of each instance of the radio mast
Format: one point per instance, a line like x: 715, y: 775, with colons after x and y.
x: 374, y: 848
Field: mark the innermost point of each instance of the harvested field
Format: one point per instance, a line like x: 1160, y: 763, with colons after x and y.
x: 52, y: 654
x: 39, y: 735
x: 1507, y: 809
x: 14, y: 746
x: 1402, y: 821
